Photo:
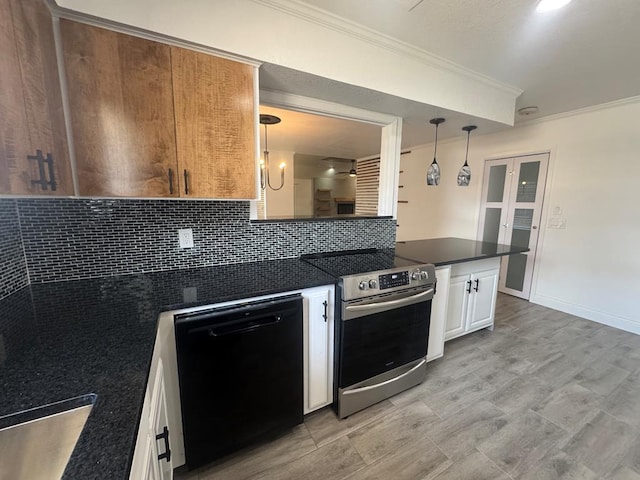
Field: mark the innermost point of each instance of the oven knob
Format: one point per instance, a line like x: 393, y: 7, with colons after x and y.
x: 424, y: 275
x: 415, y: 275
x: 363, y: 285
x: 373, y: 284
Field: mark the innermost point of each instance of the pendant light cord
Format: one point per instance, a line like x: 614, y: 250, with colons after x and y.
x: 435, y: 148
x: 466, y: 156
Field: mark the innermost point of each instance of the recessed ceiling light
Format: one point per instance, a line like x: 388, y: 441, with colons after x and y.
x: 547, y: 5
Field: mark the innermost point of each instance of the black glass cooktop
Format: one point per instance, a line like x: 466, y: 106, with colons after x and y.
x: 356, y: 262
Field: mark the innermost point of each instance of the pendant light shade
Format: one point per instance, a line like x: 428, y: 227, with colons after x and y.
x: 265, y: 180
x: 464, y: 175
x: 433, y: 173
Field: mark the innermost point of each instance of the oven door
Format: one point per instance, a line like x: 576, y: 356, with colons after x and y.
x: 383, y: 333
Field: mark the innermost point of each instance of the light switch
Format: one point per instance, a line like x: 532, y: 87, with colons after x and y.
x: 559, y: 223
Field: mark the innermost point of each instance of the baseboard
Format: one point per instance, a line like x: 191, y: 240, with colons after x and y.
x: 615, y: 321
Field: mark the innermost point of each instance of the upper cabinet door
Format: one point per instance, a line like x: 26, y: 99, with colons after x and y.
x: 215, y: 125
x: 34, y: 156
x: 122, y: 114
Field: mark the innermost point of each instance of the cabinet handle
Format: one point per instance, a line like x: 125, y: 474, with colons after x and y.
x: 477, y: 283
x: 42, y: 181
x: 469, y: 282
x: 167, y: 451
x: 40, y: 159
x: 186, y: 182
x: 170, y: 182
x: 52, y: 174
x: 326, y: 305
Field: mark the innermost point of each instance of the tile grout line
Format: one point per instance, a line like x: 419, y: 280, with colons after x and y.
x: 494, y: 463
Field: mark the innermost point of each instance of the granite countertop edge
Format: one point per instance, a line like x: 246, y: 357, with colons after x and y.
x: 452, y: 250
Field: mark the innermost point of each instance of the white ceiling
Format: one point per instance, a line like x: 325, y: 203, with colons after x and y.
x: 585, y: 54
x: 320, y: 136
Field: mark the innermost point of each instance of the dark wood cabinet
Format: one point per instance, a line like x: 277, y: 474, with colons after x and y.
x: 152, y: 120
x: 215, y: 125
x: 34, y: 154
x: 122, y: 117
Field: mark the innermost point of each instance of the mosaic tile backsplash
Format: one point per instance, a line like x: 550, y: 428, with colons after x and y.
x: 86, y: 238
x: 13, y: 268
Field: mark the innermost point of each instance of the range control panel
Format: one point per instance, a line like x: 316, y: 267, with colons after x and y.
x: 374, y: 283
x: 391, y: 280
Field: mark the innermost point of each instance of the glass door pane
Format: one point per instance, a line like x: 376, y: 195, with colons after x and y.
x: 522, y: 222
x: 491, y: 230
x: 497, y: 175
x: 528, y: 182
x: 520, y: 236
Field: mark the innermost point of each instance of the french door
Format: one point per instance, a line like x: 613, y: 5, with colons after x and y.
x: 512, y: 193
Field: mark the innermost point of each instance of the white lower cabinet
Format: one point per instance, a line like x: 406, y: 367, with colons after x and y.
x: 152, y: 458
x: 439, y: 306
x: 159, y: 431
x: 472, y: 297
x: 318, y: 331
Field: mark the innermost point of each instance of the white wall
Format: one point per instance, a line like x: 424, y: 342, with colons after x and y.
x: 590, y: 269
x: 300, y: 37
x: 280, y: 203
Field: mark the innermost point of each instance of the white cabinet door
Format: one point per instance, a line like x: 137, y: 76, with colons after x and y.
x: 151, y: 471
x: 318, y: 351
x: 483, y: 299
x: 439, y: 314
x: 457, y: 307
x: 159, y: 424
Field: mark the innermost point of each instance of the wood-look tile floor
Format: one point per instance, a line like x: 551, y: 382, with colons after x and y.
x: 544, y: 396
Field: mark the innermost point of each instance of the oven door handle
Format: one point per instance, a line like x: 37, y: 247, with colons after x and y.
x: 372, y: 307
x: 386, y: 382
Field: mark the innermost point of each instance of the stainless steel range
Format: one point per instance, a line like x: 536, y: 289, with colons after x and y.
x: 383, y: 329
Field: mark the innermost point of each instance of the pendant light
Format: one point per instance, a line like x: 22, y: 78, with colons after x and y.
x: 265, y: 180
x: 464, y: 175
x: 433, y: 173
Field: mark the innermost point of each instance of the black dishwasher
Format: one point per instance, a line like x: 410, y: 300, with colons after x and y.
x: 240, y: 374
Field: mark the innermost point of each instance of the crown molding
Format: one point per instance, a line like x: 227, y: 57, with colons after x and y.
x: 580, y: 111
x: 61, y: 12
x: 334, y: 22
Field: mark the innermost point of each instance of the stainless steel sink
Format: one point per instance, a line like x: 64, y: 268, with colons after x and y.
x: 39, y: 448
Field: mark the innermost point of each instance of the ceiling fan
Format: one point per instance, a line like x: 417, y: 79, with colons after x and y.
x: 352, y: 172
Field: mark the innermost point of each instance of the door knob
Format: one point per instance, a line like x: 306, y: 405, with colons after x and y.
x: 534, y: 227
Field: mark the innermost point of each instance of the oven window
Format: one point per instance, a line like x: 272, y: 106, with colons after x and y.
x: 376, y: 343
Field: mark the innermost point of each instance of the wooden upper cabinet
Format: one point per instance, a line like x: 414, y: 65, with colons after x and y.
x: 215, y: 125
x: 122, y: 115
x: 34, y: 155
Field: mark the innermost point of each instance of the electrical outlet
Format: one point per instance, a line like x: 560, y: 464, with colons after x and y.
x: 185, y: 237
x: 190, y: 294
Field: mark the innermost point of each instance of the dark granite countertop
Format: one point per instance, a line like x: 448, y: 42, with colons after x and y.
x: 70, y: 339
x: 450, y: 250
